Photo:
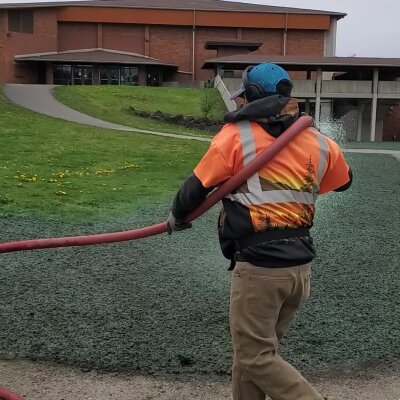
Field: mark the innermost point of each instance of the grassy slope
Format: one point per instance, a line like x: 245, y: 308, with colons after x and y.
x: 54, y: 168
x: 112, y: 103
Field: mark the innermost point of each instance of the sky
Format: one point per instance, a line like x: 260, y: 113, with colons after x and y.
x: 370, y: 29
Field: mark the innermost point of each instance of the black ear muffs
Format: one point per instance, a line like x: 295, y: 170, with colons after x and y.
x: 253, y: 91
x: 284, y: 87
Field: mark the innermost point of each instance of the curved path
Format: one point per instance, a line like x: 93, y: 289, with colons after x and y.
x: 39, y: 98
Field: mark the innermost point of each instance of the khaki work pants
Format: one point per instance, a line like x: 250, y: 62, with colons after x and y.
x: 263, y: 303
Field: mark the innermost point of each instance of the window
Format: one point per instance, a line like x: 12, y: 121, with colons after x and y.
x: 20, y: 21
x: 110, y: 75
x: 82, y: 74
x: 130, y: 76
x: 66, y: 74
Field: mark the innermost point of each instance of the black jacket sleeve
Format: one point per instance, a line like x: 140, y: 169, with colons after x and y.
x: 347, y: 185
x: 189, y: 197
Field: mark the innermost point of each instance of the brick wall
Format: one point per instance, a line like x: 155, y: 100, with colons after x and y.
x: 231, y: 51
x: 44, y: 39
x: 72, y: 36
x: 173, y: 44
x: 300, y: 42
x: 203, y: 35
x: 272, y: 40
x: 167, y: 43
x: 3, y: 32
x: 129, y: 38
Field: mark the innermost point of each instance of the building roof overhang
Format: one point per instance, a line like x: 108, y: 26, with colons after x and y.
x: 94, y: 56
x: 203, y: 5
x: 43, y: 4
x: 302, y: 63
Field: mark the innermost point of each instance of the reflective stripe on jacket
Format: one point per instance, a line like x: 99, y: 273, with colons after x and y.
x: 282, y: 194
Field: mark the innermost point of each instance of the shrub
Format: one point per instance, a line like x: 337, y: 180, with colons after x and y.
x: 208, y: 103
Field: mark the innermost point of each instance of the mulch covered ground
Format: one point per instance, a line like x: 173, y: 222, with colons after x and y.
x: 161, y: 304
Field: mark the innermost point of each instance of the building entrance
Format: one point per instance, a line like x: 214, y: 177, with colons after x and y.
x: 82, y: 75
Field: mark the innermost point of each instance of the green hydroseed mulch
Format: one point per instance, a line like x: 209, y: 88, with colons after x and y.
x: 161, y: 304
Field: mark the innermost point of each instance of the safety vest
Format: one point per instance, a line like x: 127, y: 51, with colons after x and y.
x: 284, y: 192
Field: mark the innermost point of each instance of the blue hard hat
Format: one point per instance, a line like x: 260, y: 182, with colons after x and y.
x: 265, y: 79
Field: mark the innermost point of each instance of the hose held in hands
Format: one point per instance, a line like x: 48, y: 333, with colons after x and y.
x: 227, y: 187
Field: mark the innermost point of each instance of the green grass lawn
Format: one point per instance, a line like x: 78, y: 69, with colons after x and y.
x: 62, y: 170
x: 111, y: 103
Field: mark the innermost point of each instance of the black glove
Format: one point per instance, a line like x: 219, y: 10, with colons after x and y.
x: 176, y: 224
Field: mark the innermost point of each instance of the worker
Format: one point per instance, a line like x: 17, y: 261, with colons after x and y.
x: 264, y: 226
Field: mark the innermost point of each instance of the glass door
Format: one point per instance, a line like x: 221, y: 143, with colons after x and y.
x: 87, y: 73
x: 154, y: 76
x: 82, y: 75
x: 130, y: 76
x: 109, y: 75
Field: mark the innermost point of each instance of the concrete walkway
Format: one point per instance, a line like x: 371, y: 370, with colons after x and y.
x: 393, y: 153
x: 44, y: 381
x: 39, y: 98
x: 372, y: 151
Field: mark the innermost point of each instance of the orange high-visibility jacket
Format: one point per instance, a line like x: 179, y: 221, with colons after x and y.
x: 283, y: 194
x: 266, y: 221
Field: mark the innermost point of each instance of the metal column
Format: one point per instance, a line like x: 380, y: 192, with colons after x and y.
x: 374, y: 106
x: 308, y: 101
x: 318, y: 96
x: 361, y: 107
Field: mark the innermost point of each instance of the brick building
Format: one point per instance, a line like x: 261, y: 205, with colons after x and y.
x: 160, y: 42
x: 143, y: 42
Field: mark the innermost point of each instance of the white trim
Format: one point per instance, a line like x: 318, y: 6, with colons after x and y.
x: 249, y: 154
x: 225, y: 94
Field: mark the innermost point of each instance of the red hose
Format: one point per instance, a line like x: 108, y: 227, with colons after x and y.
x: 227, y: 187
x: 7, y: 395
